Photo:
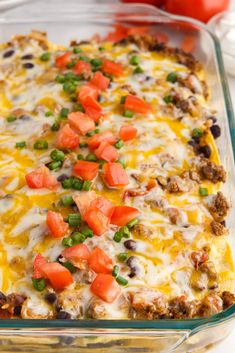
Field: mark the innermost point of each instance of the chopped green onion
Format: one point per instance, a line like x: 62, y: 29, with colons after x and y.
x: 67, y: 183
x: 64, y: 112
x: 132, y: 223
x: 45, y: 56
x: 21, y: 144
x: 78, y: 238
x: 78, y: 108
x: 80, y: 157
x: 55, y: 126
x: 91, y: 157
x: 88, y: 232
x: 122, y: 256
x: 74, y: 219
x: 86, y: 185
x: 70, y: 76
x: 125, y: 232
x: 67, y: 242
x: 138, y: 70
x: 60, y: 79
x: 197, y: 132
x: 57, y: 155
x: 117, y: 237
x: 11, y: 118
x: 40, y: 145
x: 55, y: 165
x: 39, y: 284
x: 96, y: 62
x: 128, y: 113
x: 203, y: 191
x: 77, y: 50
x: 49, y: 113
x: 101, y: 48
x: 172, y: 77
x: 168, y: 99
x: 115, y: 271
x: 67, y: 201
x: 77, y: 184
x: 123, y: 99
x: 135, y: 60
x: 69, y: 266
x: 83, y: 145
x: 101, y: 164
x: 97, y: 130
x: 84, y: 58
x: 71, y: 64
x: 122, y: 281
x: 90, y: 133
x: 69, y: 87
x: 119, y: 144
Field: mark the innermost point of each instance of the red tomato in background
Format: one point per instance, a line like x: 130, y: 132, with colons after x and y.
x: 150, y: 2
x: 202, y: 10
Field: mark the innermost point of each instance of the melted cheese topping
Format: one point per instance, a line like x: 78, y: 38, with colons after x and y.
x: 160, y: 150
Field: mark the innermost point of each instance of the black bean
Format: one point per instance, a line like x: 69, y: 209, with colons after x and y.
x: 204, y: 150
x: 2, y: 297
x: 50, y: 298
x: 28, y: 65
x: 134, y: 272
x: 62, y: 177
x: 25, y: 117
x: 216, y: 131
x: 8, y: 53
x: 196, y: 139
x: 27, y: 57
x: 17, y: 310
x: 63, y: 315
x: 192, y: 143
x: 213, y: 118
x: 131, y: 261
x: 59, y: 258
x: 130, y: 244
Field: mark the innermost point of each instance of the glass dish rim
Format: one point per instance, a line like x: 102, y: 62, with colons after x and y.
x: 192, y: 325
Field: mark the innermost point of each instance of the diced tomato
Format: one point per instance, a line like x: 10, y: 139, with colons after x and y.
x: 38, y: 261
x: 88, y: 90
x: 92, y: 108
x: 58, y: 275
x: 97, y: 221
x: 161, y: 37
x: 95, y: 140
x: 188, y: 44
x: 123, y: 214
x: 81, y: 122
x: 115, y: 175
x: 56, y: 224
x: 63, y: 60
x: 41, y: 178
x: 127, y: 132
x: 85, y: 170
x: 100, y: 81
x: 104, y: 205
x: 137, y: 105
x: 106, y: 152
x: 82, y: 67
x: 100, y: 262
x: 105, y: 287
x: 83, y: 201
x: 77, y: 254
x: 67, y: 138
x: 112, y: 68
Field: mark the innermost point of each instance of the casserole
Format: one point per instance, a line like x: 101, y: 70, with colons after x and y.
x: 147, y: 336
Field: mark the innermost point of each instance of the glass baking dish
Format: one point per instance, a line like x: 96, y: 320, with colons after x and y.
x: 64, y: 22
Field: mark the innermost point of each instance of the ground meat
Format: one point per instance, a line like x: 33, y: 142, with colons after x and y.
x: 176, y: 216
x: 96, y: 309
x: 199, y: 257
x: 176, y: 184
x: 192, y: 175
x: 141, y: 231
x: 212, y: 304
x: 211, y: 171
x: 218, y: 207
x: 180, y: 308
x: 36, y: 309
x: 70, y: 300
x: 188, y: 105
x: 218, y: 228
x: 147, y: 304
x: 228, y: 299
x: 159, y: 203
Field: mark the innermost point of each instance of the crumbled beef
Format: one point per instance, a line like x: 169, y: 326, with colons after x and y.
x: 71, y: 301
x: 159, y: 203
x: 176, y: 184
x: 180, y: 308
x: 176, y: 216
x: 147, y: 304
x: 211, y: 171
x: 212, y: 304
x: 218, y: 228
x: 188, y: 105
x: 192, y: 175
x: 141, y: 231
x: 228, y: 299
x: 96, y: 309
x: 218, y: 207
x: 199, y: 257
